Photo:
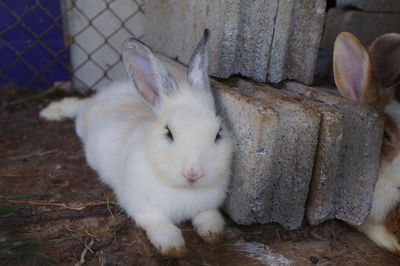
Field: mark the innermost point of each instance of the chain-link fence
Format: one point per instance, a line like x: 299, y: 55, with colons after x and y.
x: 47, y: 43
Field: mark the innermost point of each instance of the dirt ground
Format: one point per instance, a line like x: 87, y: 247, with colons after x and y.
x: 54, y: 211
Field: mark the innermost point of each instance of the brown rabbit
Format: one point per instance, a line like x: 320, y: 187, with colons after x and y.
x: 372, y: 77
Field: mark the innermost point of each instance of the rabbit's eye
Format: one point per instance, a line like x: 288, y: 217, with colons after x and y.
x: 387, y: 136
x: 168, y: 134
x: 218, y: 136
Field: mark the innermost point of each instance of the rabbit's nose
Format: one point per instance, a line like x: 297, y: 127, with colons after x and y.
x: 192, y: 176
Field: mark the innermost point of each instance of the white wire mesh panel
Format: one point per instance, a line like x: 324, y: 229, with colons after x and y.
x: 96, y: 30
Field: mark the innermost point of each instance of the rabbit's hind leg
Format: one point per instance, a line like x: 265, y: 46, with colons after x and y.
x: 67, y: 108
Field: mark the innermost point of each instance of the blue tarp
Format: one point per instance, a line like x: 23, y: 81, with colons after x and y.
x: 32, y: 49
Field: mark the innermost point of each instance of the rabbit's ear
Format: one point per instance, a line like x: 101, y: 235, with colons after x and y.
x: 353, y: 71
x: 385, y: 55
x: 153, y: 81
x: 197, y: 73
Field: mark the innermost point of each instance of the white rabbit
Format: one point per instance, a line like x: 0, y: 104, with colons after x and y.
x: 159, y: 144
x: 373, y: 77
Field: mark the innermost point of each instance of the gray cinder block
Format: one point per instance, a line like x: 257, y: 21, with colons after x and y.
x: 371, y: 5
x: 358, y: 159
x: 367, y: 26
x: 266, y: 40
x: 323, y: 188
x: 273, y: 160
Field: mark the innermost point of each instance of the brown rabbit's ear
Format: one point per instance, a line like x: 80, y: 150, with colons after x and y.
x: 353, y: 71
x: 385, y: 55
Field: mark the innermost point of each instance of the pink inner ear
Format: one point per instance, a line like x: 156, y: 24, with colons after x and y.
x: 146, y: 87
x: 151, y: 95
x: 145, y: 80
x: 355, y: 68
x: 353, y: 72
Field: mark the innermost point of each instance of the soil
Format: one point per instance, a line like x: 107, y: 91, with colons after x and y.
x: 55, y: 211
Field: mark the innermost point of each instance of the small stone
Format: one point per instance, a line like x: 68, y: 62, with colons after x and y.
x: 313, y: 260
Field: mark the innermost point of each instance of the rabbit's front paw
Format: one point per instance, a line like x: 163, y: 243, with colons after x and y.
x: 385, y: 239
x: 168, y: 239
x: 209, y: 225
x: 381, y: 236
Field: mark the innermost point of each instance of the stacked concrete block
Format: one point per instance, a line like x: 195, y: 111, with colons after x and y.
x: 323, y: 188
x: 367, y: 26
x: 312, y: 134
x: 273, y: 162
x: 266, y: 40
x: 371, y: 5
x: 344, y: 190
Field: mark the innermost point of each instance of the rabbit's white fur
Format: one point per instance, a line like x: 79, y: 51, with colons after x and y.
x: 125, y: 142
x: 378, y: 233
x: 386, y: 197
x: 387, y: 194
x: 67, y: 108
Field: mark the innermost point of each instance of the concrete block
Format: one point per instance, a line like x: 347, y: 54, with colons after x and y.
x: 351, y: 191
x: 366, y: 26
x: 303, y: 40
x: 266, y: 40
x: 391, y: 6
x: 273, y: 162
x: 323, y: 188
